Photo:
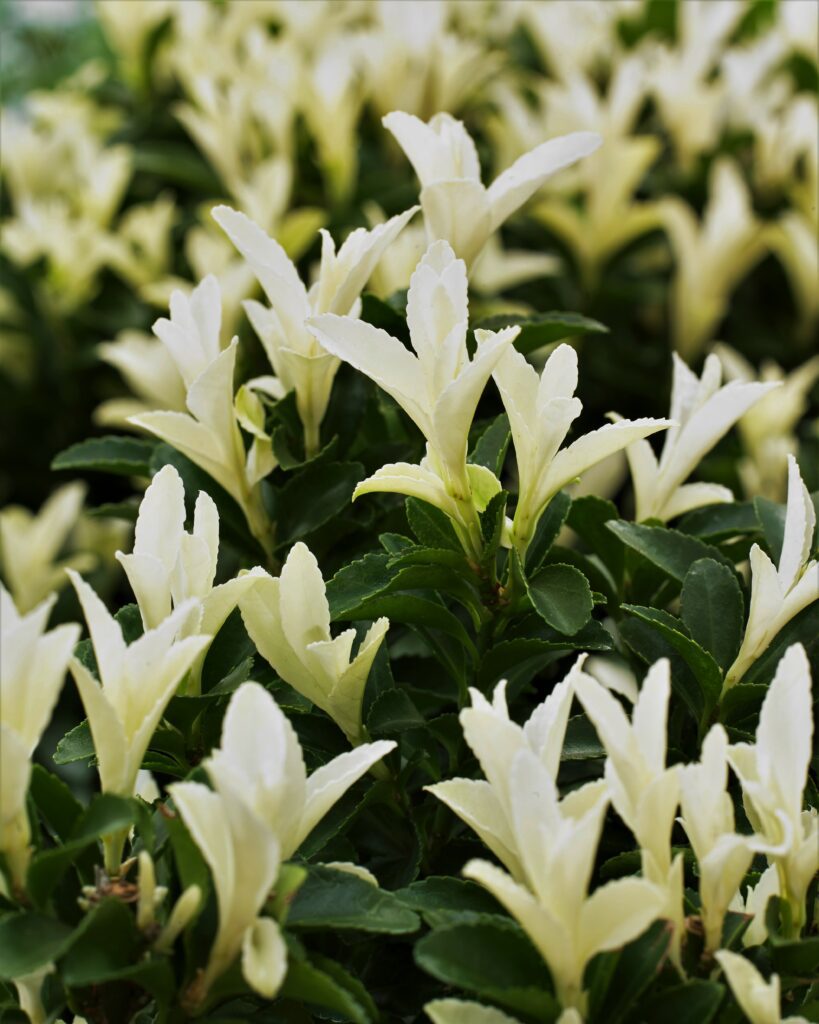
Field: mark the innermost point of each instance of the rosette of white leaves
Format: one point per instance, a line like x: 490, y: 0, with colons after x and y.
x: 774, y: 772
x: 261, y: 808
x: 486, y: 804
x: 136, y: 681
x: 208, y: 434
x: 708, y: 818
x: 260, y: 757
x: 33, y: 663
x: 169, y: 566
x: 288, y: 619
x: 548, y: 844
x: 703, y: 412
x: 299, y: 362
x: 457, y: 207
x: 437, y: 385
x: 557, y: 841
x: 243, y: 856
x: 541, y: 411
x: 779, y: 592
x: 644, y: 792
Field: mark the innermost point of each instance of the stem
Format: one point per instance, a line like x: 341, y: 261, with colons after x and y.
x: 113, y: 845
x: 468, y: 524
x: 311, y: 438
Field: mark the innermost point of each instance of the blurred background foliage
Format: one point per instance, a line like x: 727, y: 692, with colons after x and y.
x: 153, y: 83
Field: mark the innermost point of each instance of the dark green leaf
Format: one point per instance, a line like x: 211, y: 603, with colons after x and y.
x: 190, y: 864
x: 381, y: 314
x: 29, y: 940
x: 799, y: 958
x: 490, y: 449
x: 492, y: 958
x: 443, y: 901
x: 107, y: 946
x: 543, y: 328
x: 562, y: 597
x: 312, y: 497
x: 416, y: 555
x: 671, y: 551
x: 509, y: 654
x: 713, y: 609
x: 742, y: 702
x: 581, y: 742
x: 719, y: 522
x: 492, y: 520
x: 127, y: 456
x: 706, y: 670
x: 346, y: 981
x: 695, y: 1002
x: 106, y: 814
x: 307, y: 983
x: 339, y: 817
x: 393, y: 712
x: 429, y: 524
x: 547, y: 529
x: 772, y: 520
x: 357, y: 582
x: 628, y: 974
x: 55, y: 802
x: 413, y: 611
x: 396, y: 543
x: 649, y: 644
x: 178, y: 163
x: 340, y: 900
x: 588, y: 516
x: 129, y: 620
